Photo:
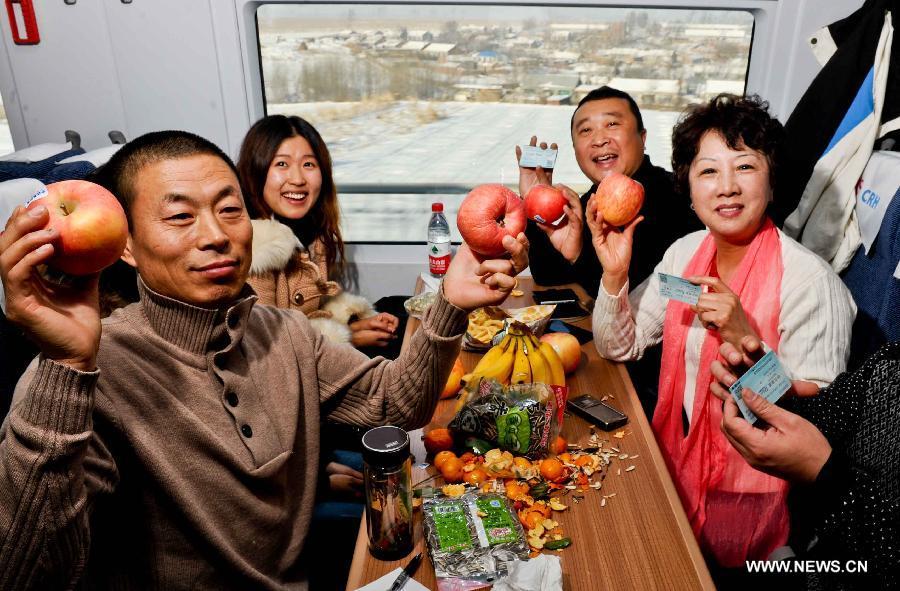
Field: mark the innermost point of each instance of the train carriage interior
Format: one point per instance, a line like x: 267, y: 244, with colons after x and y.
x: 421, y: 101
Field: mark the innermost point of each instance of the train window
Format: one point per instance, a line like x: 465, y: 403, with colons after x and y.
x: 6, y: 142
x: 422, y: 102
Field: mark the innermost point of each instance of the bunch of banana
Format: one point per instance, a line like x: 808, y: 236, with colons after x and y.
x: 520, y: 358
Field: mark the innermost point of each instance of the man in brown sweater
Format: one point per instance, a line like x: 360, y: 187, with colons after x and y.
x: 180, y: 448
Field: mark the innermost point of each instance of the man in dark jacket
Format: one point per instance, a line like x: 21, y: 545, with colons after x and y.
x: 608, y: 136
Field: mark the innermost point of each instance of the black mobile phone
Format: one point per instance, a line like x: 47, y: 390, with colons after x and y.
x: 597, y: 412
x: 566, y: 301
x: 583, y: 335
x: 554, y: 294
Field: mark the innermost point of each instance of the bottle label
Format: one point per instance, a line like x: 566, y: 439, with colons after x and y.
x: 438, y: 257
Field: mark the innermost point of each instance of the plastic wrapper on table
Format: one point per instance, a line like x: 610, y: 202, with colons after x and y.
x: 521, y: 419
x: 472, y: 539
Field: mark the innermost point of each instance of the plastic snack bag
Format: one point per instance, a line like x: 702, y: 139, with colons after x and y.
x: 521, y: 418
x: 472, y: 539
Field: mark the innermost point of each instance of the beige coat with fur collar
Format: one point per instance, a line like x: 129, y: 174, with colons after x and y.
x: 285, y: 275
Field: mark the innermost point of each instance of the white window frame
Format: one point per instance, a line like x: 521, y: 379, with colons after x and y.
x: 777, y: 23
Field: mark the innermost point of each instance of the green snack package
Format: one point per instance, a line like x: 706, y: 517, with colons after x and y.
x: 472, y: 539
x: 498, y: 523
x: 451, y: 526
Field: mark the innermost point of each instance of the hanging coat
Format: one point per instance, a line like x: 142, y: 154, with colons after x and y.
x: 853, y: 101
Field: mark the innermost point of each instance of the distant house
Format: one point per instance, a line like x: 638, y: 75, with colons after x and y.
x: 579, y: 27
x: 487, y: 56
x: 438, y: 50
x: 713, y: 88
x: 413, y: 46
x: 478, y: 92
x: 559, y: 99
x: 649, y: 92
x: 564, y: 56
x: 717, y: 31
x: 582, y: 90
x: 549, y: 86
x: 420, y: 35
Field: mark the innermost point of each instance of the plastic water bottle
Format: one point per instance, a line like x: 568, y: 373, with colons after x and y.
x: 438, y: 241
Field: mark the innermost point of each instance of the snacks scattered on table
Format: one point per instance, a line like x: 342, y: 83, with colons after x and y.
x: 418, y: 304
x: 540, y: 488
x: 486, y: 323
x: 532, y: 314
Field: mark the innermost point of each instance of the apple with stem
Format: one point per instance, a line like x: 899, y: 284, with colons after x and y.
x: 486, y: 215
x: 91, y: 224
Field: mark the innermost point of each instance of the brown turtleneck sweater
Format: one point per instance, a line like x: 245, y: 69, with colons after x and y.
x: 189, y: 459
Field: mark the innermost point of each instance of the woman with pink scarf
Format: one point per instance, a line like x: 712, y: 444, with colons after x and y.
x: 755, y: 281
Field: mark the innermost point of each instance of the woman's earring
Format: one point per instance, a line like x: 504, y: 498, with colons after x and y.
x: 692, y: 207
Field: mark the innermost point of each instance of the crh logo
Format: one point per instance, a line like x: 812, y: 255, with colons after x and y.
x: 870, y: 198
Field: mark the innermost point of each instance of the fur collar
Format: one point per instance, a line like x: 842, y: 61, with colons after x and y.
x: 346, y: 307
x: 273, y: 246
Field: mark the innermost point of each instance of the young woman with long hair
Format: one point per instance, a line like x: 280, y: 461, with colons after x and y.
x: 286, y: 176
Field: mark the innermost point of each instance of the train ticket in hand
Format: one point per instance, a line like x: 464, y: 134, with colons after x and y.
x: 767, y: 378
x: 678, y: 288
x: 533, y: 156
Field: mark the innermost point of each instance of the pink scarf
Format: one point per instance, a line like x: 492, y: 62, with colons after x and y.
x: 736, y: 512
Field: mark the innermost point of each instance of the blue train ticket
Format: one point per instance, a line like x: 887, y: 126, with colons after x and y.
x: 533, y: 156
x: 678, y: 288
x: 767, y: 378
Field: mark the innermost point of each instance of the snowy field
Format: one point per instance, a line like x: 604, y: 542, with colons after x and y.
x: 434, y: 145
x: 427, y: 144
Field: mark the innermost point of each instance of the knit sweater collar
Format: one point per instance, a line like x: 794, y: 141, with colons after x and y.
x: 191, y: 328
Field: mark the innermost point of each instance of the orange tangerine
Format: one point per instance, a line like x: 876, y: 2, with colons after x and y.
x: 560, y: 445
x: 522, y: 463
x: 441, y: 457
x: 552, y: 469
x: 452, y: 470
x: 438, y: 440
x: 516, y: 490
x: 476, y: 476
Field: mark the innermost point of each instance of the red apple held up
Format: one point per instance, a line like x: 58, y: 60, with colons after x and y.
x: 567, y: 347
x: 619, y: 199
x: 544, y: 204
x: 486, y: 215
x: 91, y: 224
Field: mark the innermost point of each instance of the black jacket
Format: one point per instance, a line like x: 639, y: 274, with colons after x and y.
x: 852, y: 510
x: 667, y: 217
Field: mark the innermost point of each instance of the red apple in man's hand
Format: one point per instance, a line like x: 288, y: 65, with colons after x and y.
x: 91, y: 224
x: 567, y: 347
x: 486, y: 215
x: 544, y: 204
x: 619, y: 199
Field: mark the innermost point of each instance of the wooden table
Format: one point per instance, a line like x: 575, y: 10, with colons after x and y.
x: 640, y: 539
